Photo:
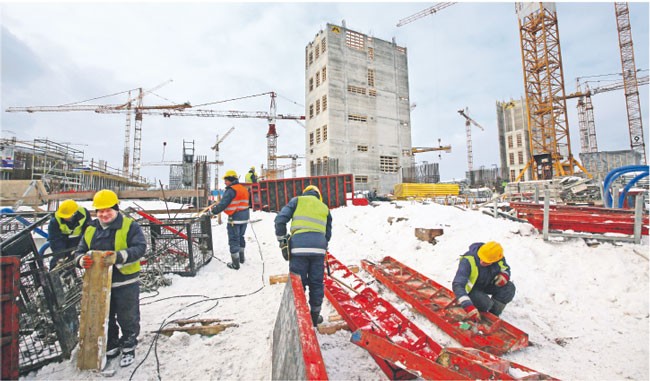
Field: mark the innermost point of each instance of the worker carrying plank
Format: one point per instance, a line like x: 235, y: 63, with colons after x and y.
x: 482, y: 282
x: 306, y: 246
x: 124, y: 244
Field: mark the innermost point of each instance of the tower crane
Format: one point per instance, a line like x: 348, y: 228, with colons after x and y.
x: 468, y: 131
x: 131, y: 105
x: 215, y: 147
x: 294, y: 162
x: 637, y: 142
x: 588, y: 142
x: 544, y: 84
x: 184, y: 109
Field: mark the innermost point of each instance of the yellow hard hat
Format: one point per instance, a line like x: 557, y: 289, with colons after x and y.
x: 253, y: 168
x: 67, y: 209
x: 230, y: 173
x: 490, y: 252
x: 105, y: 199
x: 313, y: 187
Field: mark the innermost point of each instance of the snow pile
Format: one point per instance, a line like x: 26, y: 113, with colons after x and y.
x: 585, y: 308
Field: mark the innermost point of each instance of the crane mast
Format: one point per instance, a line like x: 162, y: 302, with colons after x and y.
x: 215, y: 147
x: 468, y: 131
x: 635, y: 125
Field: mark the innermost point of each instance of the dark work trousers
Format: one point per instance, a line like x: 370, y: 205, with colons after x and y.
x: 236, y: 237
x: 125, y: 311
x: 482, y: 300
x: 310, y: 268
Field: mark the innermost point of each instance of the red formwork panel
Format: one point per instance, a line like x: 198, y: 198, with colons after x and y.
x: 272, y: 195
x: 10, y: 276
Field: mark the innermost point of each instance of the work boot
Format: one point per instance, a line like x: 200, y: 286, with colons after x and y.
x: 242, y: 259
x: 235, y: 261
x: 497, y: 307
x: 128, y: 357
x: 316, y: 319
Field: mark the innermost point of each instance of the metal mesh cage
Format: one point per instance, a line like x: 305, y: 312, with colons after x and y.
x: 48, y: 301
x: 177, y: 245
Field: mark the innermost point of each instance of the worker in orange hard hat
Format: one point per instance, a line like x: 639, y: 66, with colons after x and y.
x: 235, y: 204
x: 65, y: 229
x: 482, y: 282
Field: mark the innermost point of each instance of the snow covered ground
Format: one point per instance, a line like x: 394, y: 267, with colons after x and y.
x: 584, y: 308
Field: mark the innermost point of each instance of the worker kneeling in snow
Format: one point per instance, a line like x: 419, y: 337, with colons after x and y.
x: 305, y: 248
x: 482, y: 272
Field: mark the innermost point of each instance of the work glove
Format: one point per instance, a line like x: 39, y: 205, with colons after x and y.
x: 108, y: 258
x: 472, y: 313
x: 284, y: 246
x: 85, y: 261
x: 501, y: 279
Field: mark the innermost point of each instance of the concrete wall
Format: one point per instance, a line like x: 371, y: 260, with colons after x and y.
x: 382, y: 103
x: 513, y: 126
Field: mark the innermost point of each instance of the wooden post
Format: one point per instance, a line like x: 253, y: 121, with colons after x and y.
x: 95, y: 304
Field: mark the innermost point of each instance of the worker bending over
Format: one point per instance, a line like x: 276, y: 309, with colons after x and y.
x: 482, y: 272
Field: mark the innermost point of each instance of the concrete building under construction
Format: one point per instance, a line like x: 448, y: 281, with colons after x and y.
x: 514, y: 143
x: 357, y: 108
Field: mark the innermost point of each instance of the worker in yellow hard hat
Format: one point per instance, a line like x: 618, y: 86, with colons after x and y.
x: 65, y: 229
x: 235, y: 204
x: 123, y: 243
x: 482, y: 282
x: 251, y: 176
x: 306, y: 245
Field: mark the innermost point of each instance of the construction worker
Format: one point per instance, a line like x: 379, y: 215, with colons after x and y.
x: 124, y: 244
x: 65, y: 230
x: 251, y: 176
x: 482, y: 272
x: 306, y: 245
x: 235, y: 204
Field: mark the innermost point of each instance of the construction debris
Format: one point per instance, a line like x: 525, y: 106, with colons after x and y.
x: 204, y: 327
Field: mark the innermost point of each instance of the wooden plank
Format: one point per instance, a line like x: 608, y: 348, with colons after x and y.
x: 95, y: 304
x: 331, y: 328
x: 206, y: 330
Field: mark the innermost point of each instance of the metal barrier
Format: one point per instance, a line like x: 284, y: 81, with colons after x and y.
x: 272, y: 195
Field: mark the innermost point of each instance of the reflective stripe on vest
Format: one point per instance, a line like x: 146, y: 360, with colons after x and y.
x: 240, y: 202
x: 77, y: 230
x: 310, y: 216
x: 473, y: 275
x: 120, y: 244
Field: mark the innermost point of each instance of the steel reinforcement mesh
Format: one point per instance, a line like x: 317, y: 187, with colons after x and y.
x: 177, y: 245
x: 48, y: 300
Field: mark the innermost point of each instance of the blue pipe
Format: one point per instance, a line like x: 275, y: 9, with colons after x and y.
x: 613, y: 175
x: 621, y: 198
x: 41, y: 251
x: 24, y: 221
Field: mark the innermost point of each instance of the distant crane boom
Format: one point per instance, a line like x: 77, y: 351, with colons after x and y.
x: 425, y: 12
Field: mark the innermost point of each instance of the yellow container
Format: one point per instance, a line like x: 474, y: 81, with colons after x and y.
x: 406, y: 190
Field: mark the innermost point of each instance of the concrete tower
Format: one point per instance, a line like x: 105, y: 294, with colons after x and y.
x: 357, y: 108
x: 514, y: 145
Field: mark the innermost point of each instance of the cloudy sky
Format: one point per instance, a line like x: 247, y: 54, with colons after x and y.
x: 468, y: 55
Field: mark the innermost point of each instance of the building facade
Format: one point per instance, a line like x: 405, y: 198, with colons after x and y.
x: 357, y: 108
x: 514, y: 142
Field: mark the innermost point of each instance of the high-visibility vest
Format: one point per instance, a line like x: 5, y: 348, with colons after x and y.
x: 249, y: 177
x: 310, y: 216
x: 473, y: 275
x: 120, y: 244
x: 240, y: 202
x: 77, y: 230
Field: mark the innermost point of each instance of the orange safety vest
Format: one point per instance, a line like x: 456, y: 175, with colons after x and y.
x: 240, y: 202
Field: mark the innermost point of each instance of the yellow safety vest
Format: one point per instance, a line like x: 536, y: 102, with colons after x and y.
x: 473, y: 275
x: 120, y: 244
x: 310, y: 216
x: 77, y: 230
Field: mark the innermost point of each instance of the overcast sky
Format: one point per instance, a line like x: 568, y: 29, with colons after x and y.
x: 467, y: 55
